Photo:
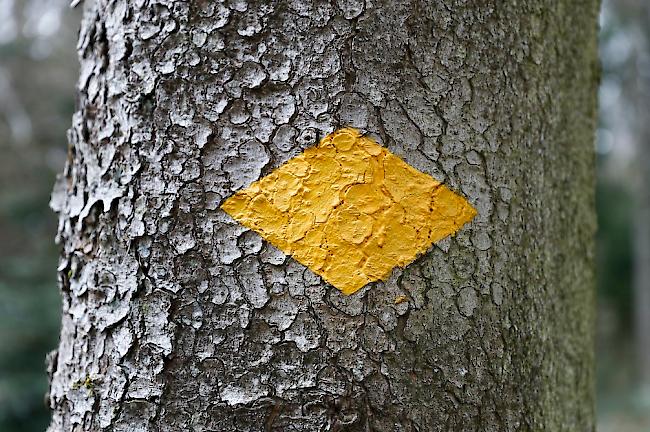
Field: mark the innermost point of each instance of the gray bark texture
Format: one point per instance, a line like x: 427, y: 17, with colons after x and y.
x: 176, y: 318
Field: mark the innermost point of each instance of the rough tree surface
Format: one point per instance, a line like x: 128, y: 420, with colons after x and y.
x: 176, y: 318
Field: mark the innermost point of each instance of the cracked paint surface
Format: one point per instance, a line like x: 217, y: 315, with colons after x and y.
x: 350, y: 210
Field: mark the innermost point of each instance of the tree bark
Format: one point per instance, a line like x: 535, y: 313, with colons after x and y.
x: 177, y: 318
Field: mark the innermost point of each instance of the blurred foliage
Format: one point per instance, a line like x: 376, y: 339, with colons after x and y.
x: 38, y: 69
x: 623, y: 405
x: 614, y: 260
x: 614, y: 205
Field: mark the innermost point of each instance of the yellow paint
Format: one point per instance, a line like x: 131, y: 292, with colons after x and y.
x: 350, y: 210
x: 400, y: 299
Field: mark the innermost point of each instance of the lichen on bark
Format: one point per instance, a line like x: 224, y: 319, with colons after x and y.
x: 177, y: 318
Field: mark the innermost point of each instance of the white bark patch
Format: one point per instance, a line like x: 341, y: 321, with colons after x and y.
x: 226, y: 242
x: 111, y: 390
x: 304, y: 332
x: 248, y: 273
x: 123, y: 340
x: 248, y: 390
x: 245, y: 168
x: 281, y: 312
x: 157, y: 328
x: 82, y: 399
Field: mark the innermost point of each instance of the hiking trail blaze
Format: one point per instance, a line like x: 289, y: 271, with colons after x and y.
x: 350, y: 210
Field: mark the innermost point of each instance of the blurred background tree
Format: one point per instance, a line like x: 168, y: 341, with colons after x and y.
x: 623, y: 204
x: 38, y: 69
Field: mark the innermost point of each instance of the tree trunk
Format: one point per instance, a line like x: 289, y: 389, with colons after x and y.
x: 175, y: 317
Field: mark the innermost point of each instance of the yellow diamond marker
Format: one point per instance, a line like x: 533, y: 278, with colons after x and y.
x: 350, y: 210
